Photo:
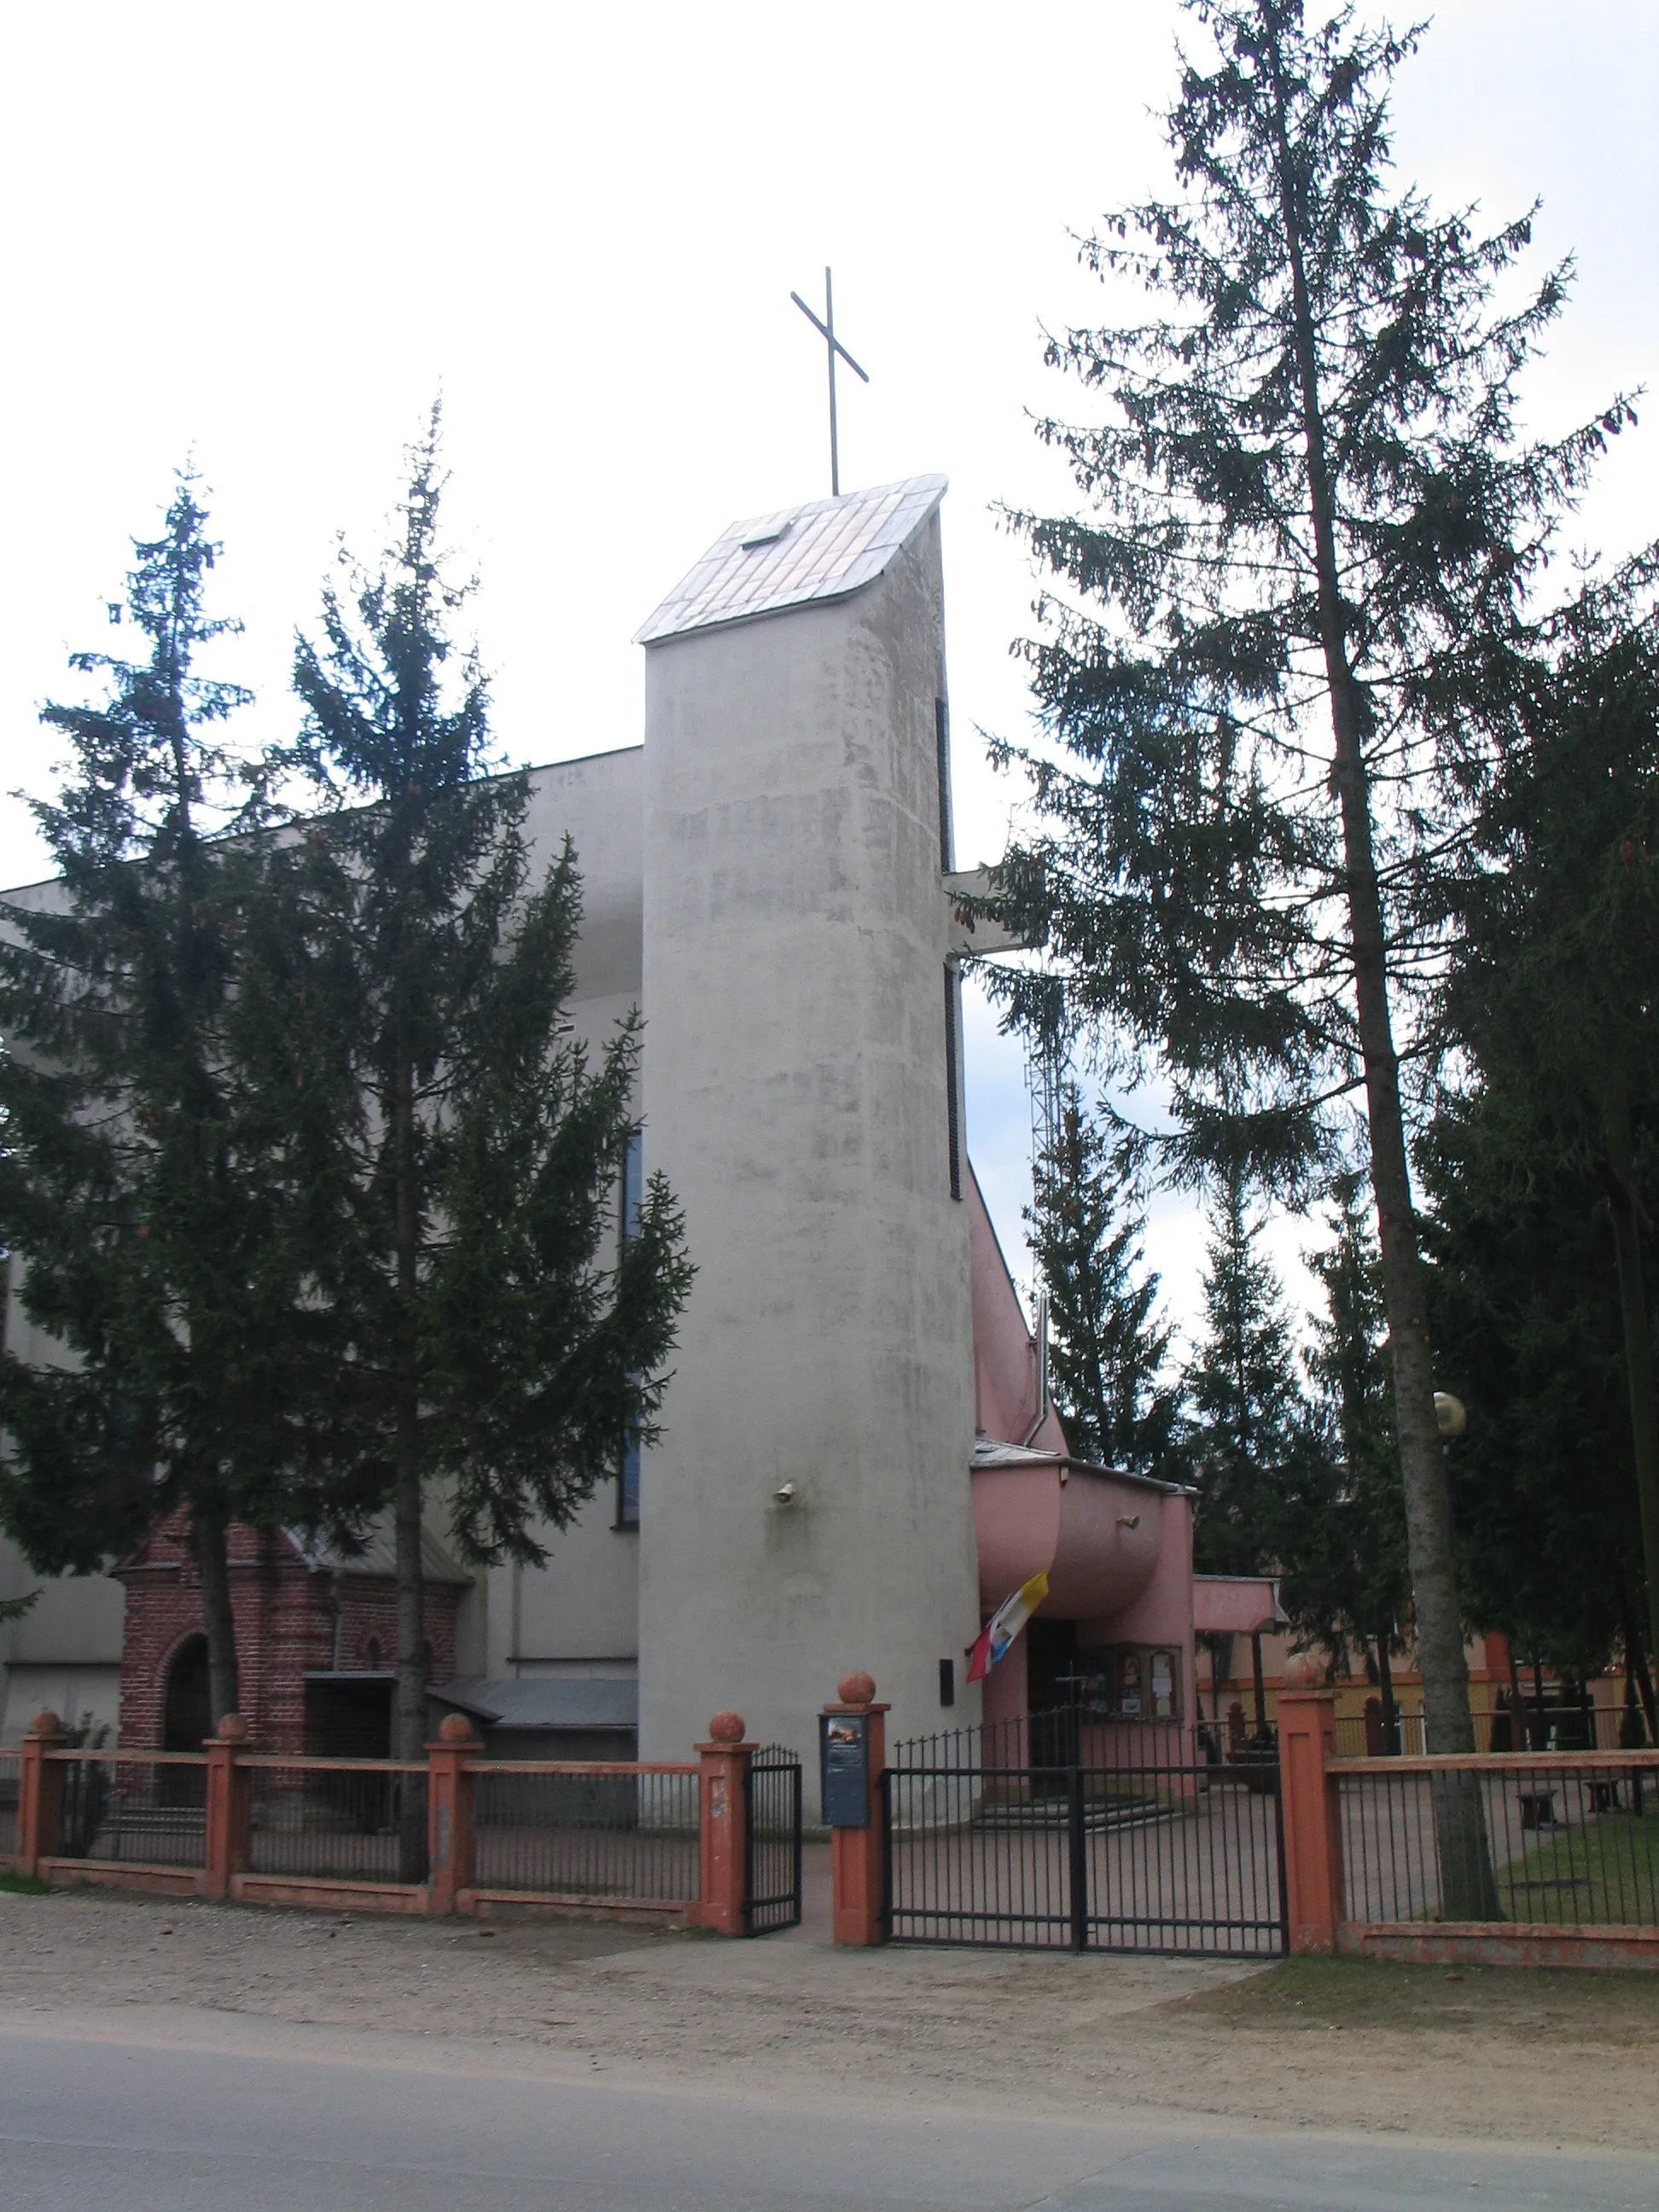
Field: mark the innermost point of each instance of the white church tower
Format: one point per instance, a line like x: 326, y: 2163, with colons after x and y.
x: 809, y: 1508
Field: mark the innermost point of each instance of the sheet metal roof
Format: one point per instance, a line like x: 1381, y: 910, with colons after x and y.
x: 990, y: 1451
x: 562, y: 1702
x: 821, y: 551
x: 379, y: 1554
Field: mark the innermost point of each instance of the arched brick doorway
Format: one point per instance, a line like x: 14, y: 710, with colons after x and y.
x: 188, y: 1714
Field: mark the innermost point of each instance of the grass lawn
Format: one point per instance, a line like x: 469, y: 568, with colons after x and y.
x: 1323, y: 1995
x: 1606, y: 1872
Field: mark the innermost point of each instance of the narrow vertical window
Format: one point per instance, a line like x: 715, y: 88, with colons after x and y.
x: 633, y: 1191
x: 633, y: 1184
x: 942, y: 749
x: 628, y: 1487
x: 953, y: 1074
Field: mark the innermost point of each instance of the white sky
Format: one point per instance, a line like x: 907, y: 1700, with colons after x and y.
x: 266, y: 237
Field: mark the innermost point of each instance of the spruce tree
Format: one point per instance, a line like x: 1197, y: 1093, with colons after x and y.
x: 1524, y: 1299
x: 1246, y: 1408
x: 1110, y: 1349
x: 1339, y: 1520
x: 1285, y: 639
x: 142, y: 1184
x: 496, y: 1340
x: 1553, y: 991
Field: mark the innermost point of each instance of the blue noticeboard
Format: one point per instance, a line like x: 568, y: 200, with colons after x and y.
x: 844, y: 1763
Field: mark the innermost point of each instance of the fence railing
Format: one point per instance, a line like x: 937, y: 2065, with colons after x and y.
x: 336, y: 1819
x: 1561, y: 1728
x: 1567, y: 1841
x: 1519, y: 1858
x: 605, y: 1832
x: 1065, y: 1831
x: 455, y: 1832
x: 772, y: 1840
x: 147, y: 1809
x: 10, y: 1768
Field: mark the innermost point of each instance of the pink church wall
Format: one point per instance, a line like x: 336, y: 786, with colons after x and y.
x: 1161, y: 1614
x: 1005, y: 1357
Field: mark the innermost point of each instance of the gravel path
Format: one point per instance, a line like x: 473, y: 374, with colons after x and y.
x: 1561, y: 2059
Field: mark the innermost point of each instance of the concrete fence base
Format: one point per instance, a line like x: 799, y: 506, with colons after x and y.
x: 1480, y: 1943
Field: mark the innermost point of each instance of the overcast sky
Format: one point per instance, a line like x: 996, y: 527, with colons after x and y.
x: 264, y: 238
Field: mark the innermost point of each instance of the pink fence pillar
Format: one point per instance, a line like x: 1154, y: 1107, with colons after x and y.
x: 1312, y: 1821
x: 723, y: 1826
x: 229, y: 1801
x: 857, y: 1860
x: 449, y: 1799
x: 39, y: 1794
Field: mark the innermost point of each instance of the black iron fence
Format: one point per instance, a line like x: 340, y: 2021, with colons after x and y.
x: 772, y: 1840
x: 10, y: 1771
x: 1067, y: 1833
x: 342, y: 1819
x: 603, y: 1832
x: 1572, y: 1842
x: 1556, y: 1727
x: 147, y: 1810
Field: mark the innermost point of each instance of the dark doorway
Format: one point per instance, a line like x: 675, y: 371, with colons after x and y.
x: 188, y: 1718
x: 1051, y: 1701
x: 186, y: 1723
x: 349, y: 1716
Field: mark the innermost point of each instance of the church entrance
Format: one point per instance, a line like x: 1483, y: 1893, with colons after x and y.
x: 1092, y: 1838
x: 186, y: 1723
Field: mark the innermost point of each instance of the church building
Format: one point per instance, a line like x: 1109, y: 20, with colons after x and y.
x: 858, y: 1461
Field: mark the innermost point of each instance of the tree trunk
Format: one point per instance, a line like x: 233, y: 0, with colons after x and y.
x: 1469, y: 1891
x: 1636, y: 1665
x: 1625, y: 1206
x: 408, y: 1720
x: 1385, y: 1684
x: 1520, y: 1726
x: 409, y: 1726
x: 208, y: 1537
x: 1261, y: 1688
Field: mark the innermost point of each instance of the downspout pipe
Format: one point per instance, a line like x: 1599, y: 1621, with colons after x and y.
x: 1041, y: 1348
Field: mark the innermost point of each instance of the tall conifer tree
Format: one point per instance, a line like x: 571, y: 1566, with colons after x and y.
x: 1339, y: 1522
x: 1110, y: 1350
x: 1315, y: 529
x: 1553, y: 986
x: 1524, y: 1297
x: 1246, y: 1415
x: 497, y: 1339
x: 142, y: 1183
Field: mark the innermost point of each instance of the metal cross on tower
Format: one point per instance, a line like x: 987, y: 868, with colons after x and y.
x: 826, y: 331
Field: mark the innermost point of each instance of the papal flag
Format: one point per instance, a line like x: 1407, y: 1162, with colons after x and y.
x: 1005, y: 1624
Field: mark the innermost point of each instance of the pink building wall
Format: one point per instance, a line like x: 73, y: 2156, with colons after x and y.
x: 1118, y: 1552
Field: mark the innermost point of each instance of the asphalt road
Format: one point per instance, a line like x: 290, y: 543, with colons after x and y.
x: 298, y: 2120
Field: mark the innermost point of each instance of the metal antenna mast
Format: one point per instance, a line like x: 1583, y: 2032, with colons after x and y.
x: 1047, y: 1064
x: 826, y: 331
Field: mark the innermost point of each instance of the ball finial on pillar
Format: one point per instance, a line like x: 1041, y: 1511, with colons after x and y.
x: 45, y: 1724
x: 455, y: 1727
x: 857, y: 1688
x: 232, y: 1728
x: 726, y: 1727
x: 1304, y: 1672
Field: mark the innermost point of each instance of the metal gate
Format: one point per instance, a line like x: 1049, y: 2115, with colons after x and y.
x: 771, y: 1828
x: 1083, y: 1837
